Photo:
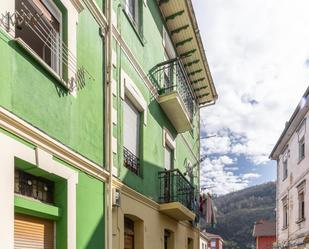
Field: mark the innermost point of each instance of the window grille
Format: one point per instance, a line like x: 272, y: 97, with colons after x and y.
x: 33, y: 186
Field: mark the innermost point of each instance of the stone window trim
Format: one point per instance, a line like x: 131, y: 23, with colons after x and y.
x: 45, y: 162
x: 301, y: 134
x: 285, y: 213
x: 168, y: 140
x: 130, y: 90
x: 135, y: 18
x: 73, y: 7
x: 301, y: 189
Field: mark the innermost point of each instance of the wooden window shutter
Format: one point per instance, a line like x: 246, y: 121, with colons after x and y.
x: 32, y: 232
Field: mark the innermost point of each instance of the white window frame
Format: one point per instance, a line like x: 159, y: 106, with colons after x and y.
x: 73, y: 7
x: 285, y: 213
x: 301, y: 191
x: 131, y: 105
x: 130, y: 90
x: 44, y: 160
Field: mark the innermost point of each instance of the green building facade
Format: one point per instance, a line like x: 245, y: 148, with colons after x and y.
x: 99, y: 121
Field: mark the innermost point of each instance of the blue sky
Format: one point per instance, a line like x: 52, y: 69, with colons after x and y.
x: 258, y: 53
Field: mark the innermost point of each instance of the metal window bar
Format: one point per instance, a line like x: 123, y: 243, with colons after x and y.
x: 33, y: 186
x: 170, y: 76
x: 131, y: 161
x: 174, y: 187
x: 43, y: 29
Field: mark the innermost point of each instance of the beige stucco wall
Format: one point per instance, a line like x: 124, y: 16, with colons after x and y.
x: 297, y: 172
x: 151, y: 225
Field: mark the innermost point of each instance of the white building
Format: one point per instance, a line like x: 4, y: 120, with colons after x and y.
x: 203, y: 241
x: 292, y: 155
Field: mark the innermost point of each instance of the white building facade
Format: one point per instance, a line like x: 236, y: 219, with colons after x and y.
x: 292, y: 200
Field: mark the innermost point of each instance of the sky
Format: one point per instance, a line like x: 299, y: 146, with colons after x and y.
x: 258, y: 54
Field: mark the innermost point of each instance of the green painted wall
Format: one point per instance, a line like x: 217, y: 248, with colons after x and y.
x: 90, y: 207
x: 148, y: 54
x: 30, y: 92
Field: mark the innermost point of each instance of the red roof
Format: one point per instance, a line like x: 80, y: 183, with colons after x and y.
x: 264, y: 228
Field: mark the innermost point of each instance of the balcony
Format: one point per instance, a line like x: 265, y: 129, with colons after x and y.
x: 176, y: 195
x: 175, y: 95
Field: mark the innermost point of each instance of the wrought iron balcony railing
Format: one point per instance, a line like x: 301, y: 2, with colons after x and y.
x: 170, y: 76
x: 131, y: 161
x: 174, y: 187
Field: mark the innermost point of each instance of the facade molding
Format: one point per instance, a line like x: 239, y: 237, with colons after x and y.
x: 22, y: 129
x: 135, y: 195
x: 134, y: 94
x: 125, y: 48
x: 98, y: 15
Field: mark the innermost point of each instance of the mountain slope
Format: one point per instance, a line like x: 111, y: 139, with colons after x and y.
x: 238, y: 211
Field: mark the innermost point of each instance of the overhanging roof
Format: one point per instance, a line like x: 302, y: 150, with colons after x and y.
x: 183, y: 29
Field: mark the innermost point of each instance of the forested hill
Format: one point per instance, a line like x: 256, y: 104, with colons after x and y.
x: 238, y: 211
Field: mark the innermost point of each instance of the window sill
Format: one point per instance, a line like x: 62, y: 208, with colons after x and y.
x: 34, y: 207
x: 284, y: 228
x: 300, y: 220
x: 138, y: 33
x: 30, y: 51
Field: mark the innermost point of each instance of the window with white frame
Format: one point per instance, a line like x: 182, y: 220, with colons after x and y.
x: 301, y: 149
x: 285, y: 221
x: 39, y: 25
x: 301, y: 201
x: 285, y: 164
x: 301, y: 131
x: 169, y: 157
x: 131, y: 138
x: 133, y: 10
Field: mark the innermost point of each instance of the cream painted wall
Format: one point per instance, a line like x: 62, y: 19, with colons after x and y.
x: 297, y: 172
x: 152, y: 224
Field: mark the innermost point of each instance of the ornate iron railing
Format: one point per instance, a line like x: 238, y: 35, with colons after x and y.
x: 170, y: 76
x: 33, y: 186
x: 131, y: 161
x: 174, y: 187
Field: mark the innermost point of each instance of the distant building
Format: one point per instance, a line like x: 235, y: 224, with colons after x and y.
x: 214, y: 241
x: 292, y: 155
x: 203, y: 241
x: 265, y: 234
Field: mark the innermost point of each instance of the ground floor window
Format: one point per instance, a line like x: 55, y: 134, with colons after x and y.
x: 33, y: 232
x: 128, y: 233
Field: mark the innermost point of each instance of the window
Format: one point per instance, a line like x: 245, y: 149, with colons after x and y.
x: 169, y: 238
x: 128, y: 233
x: 285, y: 213
x: 301, y: 201
x: 285, y: 169
x: 301, y: 149
x: 133, y: 10
x: 213, y: 244
x: 131, y: 136
x: 301, y: 206
x: 169, y: 158
x: 33, y: 186
x: 190, y: 243
x: 39, y: 26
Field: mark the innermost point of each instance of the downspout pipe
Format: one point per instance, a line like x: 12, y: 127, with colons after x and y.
x: 108, y: 125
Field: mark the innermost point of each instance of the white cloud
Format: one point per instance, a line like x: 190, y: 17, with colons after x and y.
x: 258, y: 55
x: 250, y: 176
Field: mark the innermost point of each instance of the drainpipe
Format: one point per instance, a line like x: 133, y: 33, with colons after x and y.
x: 108, y: 125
